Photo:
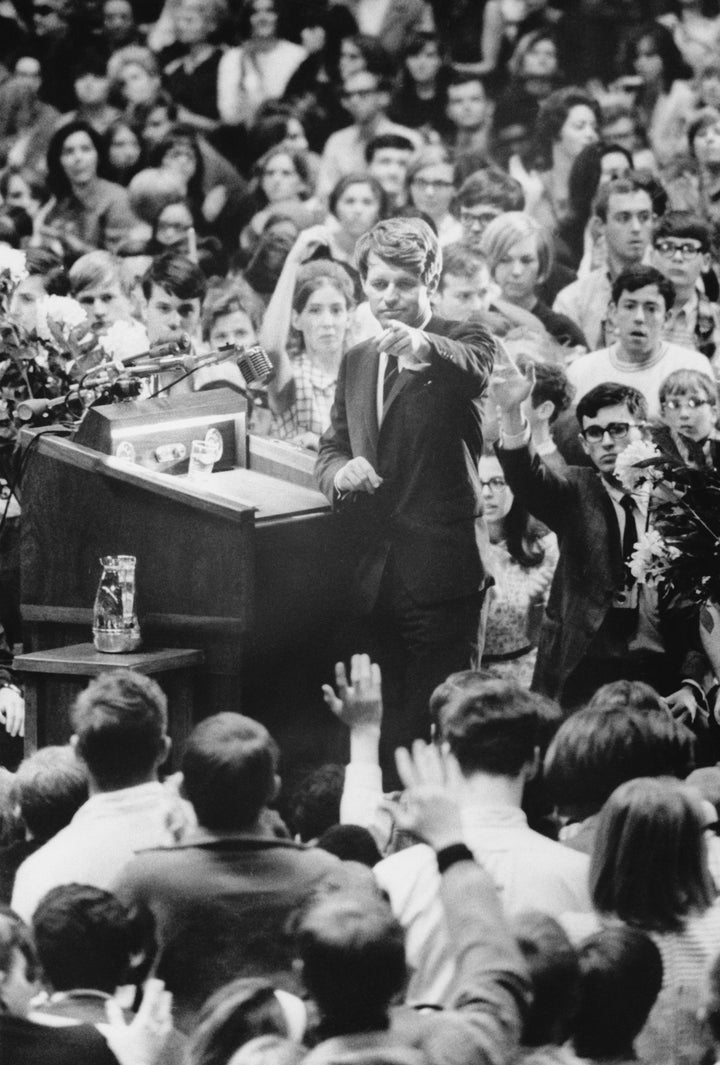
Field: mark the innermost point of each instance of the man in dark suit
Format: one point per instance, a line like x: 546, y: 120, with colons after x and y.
x: 401, y: 458
x: 600, y: 624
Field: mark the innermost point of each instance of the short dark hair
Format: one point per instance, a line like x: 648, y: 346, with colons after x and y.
x: 491, y: 186
x: 461, y: 261
x: 598, y: 748
x: 553, y: 384
x: 637, y: 277
x: 50, y: 786
x: 649, y: 863
x: 554, y: 974
x: 229, y: 770
x: 348, y: 941
x: 176, y: 274
x: 350, y: 843
x: 387, y: 140
x: 610, y: 394
x: 120, y: 721
x: 683, y: 224
x: 493, y: 728
x: 621, y: 975
x: 315, y: 801
x: 85, y: 937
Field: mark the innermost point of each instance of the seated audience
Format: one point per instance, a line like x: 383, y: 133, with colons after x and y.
x: 681, y: 246
x: 221, y: 896
x: 120, y: 735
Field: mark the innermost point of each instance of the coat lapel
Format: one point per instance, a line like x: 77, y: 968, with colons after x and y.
x: 365, y: 395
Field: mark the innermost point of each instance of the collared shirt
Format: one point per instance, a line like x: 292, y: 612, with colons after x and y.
x: 403, y: 364
x: 530, y: 871
x: 98, y: 843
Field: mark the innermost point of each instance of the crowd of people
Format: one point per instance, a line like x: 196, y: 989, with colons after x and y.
x: 479, y: 241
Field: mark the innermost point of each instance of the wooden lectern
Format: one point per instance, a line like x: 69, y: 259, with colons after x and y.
x: 247, y: 566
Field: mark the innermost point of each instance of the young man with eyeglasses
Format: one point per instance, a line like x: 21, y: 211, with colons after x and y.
x: 641, y: 298
x: 681, y: 251
x: 366, y: 97
x: 600, y: 625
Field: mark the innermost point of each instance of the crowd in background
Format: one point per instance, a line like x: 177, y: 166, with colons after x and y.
x: 545, y: 887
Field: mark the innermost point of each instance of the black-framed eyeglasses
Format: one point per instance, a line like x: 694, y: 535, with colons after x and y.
x: 495, y: 484
x: 616, y: 431
x: 687, y: 248
x: 691, y: 402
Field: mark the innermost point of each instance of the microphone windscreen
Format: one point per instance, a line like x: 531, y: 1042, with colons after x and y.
x: 255, y: 366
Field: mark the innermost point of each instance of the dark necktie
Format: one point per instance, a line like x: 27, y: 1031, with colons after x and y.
x: 630, y: 535
x: 392, y: 369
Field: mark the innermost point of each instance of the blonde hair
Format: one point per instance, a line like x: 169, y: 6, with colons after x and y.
x: 507, y: 230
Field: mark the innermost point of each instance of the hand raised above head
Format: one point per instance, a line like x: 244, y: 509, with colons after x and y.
x: 509, y: 385
x: 359, y: 703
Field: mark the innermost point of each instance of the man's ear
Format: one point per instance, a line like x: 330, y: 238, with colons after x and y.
x: 277, y: 785
x: 583, y: 444
x: 706, y: 261
x: 612, y: 314
x: 164, y: 751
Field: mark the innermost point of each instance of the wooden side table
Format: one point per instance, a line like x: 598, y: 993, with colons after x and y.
x: 53, y: 678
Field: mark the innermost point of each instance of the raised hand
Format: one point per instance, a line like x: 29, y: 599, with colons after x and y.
x: 430, y: 809
x: 143, y: 1040
x: 509, y: 386
x: 359, y: 703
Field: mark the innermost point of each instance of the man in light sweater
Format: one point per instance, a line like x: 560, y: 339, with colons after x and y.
x: 640, y: 358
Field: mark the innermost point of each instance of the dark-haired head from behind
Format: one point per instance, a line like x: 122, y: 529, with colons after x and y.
x: 120, y: 727
x: 350, y: 843
x: 621, y: 974
x: 347, y: 941
x: 494, y: 728
x: 229, y: 771
x: 314, y: 804
x: 86, y: 938
x: 554, y: 974
x: 597, y: 749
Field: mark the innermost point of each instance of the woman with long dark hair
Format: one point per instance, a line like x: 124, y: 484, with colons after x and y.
x: 665, y: 99
x: 522, y: 556
x: 568, y: 120
x: 86, y: 211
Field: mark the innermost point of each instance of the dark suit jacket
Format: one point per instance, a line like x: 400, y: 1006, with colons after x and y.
x: 426, y: 450
x: 576, y: 506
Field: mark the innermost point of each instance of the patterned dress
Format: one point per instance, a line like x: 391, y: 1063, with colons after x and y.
x: 516, y: 604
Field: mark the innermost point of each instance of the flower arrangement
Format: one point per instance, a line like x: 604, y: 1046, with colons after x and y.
x: 680, y: 553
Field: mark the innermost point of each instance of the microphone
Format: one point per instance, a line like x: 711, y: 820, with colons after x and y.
x: 180, y: 346
x: 30, y: 410
x: 255, y: 366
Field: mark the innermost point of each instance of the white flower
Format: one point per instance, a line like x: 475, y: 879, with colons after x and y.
x: 124, y: 340
x: 64, y: 311
x: 651, y: 558
x: 13, y: 262
x: 627, y: 470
